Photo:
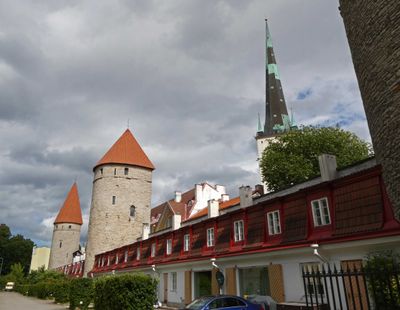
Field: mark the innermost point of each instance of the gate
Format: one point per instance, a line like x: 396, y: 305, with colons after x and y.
x: 352, y: 287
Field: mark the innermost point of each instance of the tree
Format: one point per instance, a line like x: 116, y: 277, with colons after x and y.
x: 293, y: 157
x: 14, y: 249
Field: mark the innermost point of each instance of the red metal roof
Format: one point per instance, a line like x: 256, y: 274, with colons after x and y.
x: 126, y: 151
x: 71, y: 210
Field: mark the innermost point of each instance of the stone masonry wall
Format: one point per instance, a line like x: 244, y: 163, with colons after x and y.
x: 111, y: 225
x: 373, y: 32
x: 68, y: 235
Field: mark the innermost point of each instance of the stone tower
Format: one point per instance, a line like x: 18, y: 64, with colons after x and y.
x: 67, y: 230
x: 277, y: 119
x: 372, y: 29
x: 121, y: 197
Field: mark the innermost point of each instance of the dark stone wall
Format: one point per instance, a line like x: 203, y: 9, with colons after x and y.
x: 373, y: 32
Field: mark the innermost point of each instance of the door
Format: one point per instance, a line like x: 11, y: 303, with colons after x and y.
x: 356, y: 294
x: 165, y: 287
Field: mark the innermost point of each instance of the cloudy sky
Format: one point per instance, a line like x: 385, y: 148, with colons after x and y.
x: 189, y: 76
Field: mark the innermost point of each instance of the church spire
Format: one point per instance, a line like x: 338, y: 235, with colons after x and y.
x: 276, y: 114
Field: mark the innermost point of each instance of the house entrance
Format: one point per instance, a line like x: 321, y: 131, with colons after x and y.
x: 202, y: 283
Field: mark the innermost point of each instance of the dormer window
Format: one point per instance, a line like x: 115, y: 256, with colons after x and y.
x: 126, y: 171
x: 238, y: 230
x: 126, y: 256
x: 168, y: 250
x: 132, y: 211
x: 320, y: 211
x: 153, y: 250
x: 274, y: 224
x: 138, y: 254
x: 169, y: 221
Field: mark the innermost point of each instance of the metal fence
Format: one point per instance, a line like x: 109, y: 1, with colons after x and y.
x: 352, y: 287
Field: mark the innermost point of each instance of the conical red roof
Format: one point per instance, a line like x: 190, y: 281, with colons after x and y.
x: 126, y: 151
x: 71, y: 210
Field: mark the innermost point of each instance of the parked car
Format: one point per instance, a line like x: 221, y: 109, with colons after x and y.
x: 222, y: 302
x: 9, y: 286
x: 267, y: 302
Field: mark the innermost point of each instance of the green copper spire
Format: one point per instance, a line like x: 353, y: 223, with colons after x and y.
x: 276, y: 115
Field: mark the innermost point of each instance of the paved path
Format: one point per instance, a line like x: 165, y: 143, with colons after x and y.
x: 15, y: 301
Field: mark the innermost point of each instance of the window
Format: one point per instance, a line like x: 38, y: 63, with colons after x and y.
x: 274, y: 224
x: 126, y: 256
x: 126, y: 171
x: 69, y: 226
x: 320, y: 212
x: 60, y: 243
x: 138, y: 254
x: 132, y: 211
x: 153, y: 250
x: 115, y: 171
x: 108, y: 260
x: 173, y: 282
x: 103, y: 261
x: 101, y: 171
x: 314, y: 286
x: 238, y: 230
x: 114, y: 199
x: 116, y: 259
x: 168, y: 249
x: 169, y: 221
x: 210, y: 237
x: 98, y: 262
x: 186, y: 242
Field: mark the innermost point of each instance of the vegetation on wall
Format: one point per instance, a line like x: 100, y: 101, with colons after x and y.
x: 293, y: 157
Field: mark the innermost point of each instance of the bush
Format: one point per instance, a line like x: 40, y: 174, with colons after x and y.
x: 80, y: 290
x: 129, y: 292
x: 61, y: 291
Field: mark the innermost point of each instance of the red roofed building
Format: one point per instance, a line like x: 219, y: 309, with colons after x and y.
x: 67, y: 229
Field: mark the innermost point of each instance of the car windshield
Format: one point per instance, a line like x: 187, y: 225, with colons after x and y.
x: 198, y: 303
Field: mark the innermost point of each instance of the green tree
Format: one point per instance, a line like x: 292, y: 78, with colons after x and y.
x: 17, y: 273
x: 14, y: 249
x: 293, y: 157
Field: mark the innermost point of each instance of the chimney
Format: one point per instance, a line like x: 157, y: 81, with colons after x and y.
x: 327, y: 166
x: 224, y: 197
x: 259, y: 188
x: 178, y: 196
x: 246, y: 199
x: 213, y: 208
x: 176, y: 221
x: 145, y: 231
x: 220, y: 189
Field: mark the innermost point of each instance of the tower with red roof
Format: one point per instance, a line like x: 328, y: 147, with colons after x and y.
x: 121, y: 197
x: 67, y: 230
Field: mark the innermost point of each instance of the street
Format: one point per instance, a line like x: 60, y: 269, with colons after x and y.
x: 15, y: 301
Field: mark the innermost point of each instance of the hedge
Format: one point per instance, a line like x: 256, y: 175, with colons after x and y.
x: 60, y: 291
x: 81, y: 290
x: 128, y: 291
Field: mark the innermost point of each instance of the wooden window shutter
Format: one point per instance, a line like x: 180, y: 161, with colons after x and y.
x: 230, y: 280
x: 275, y: 276
x: 214, y: 284
x: 188, y: 287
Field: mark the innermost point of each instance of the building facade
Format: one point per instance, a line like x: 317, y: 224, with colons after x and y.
x: 261, y: 244
x: 40, y: 258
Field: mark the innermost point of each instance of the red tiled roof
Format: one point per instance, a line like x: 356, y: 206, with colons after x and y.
x: 222, y: 206
x: 126, y: 151
x: 71, y: 210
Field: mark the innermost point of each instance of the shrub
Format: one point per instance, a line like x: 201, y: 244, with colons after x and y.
x: 80, y: 290
x: 60, y: 291
x: 129, y: 292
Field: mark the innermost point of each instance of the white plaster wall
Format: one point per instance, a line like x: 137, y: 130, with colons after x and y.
x: 204, y: 193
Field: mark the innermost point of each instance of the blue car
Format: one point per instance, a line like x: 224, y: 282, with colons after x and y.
x: 222, y: 302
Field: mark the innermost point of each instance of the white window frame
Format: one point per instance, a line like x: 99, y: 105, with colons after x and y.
x: 168, y: 247
x: 238, y: 230
x: 186, y: 242
x: 174, y: 281
x: 274, y: 223
x: 320, y: 211
x: 153, y: 250
x: 116, y: 259
x: 210, y: 237
x: 138, y: 254
x: 108, y: 260
x: 126, y: 256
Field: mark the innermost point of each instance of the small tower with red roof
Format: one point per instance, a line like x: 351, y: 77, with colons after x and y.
x: 67, y: 230
x: 121, y: 197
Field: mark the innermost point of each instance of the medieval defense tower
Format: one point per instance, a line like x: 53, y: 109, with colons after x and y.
x: 277, y: 120
x: 67, y: 231
x: 121, y: 198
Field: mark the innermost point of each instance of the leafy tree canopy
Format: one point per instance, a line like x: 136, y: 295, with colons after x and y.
x: 14, y: 249
x: 293, y: 157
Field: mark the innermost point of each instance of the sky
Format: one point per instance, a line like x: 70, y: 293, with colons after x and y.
x: 187, y: 76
